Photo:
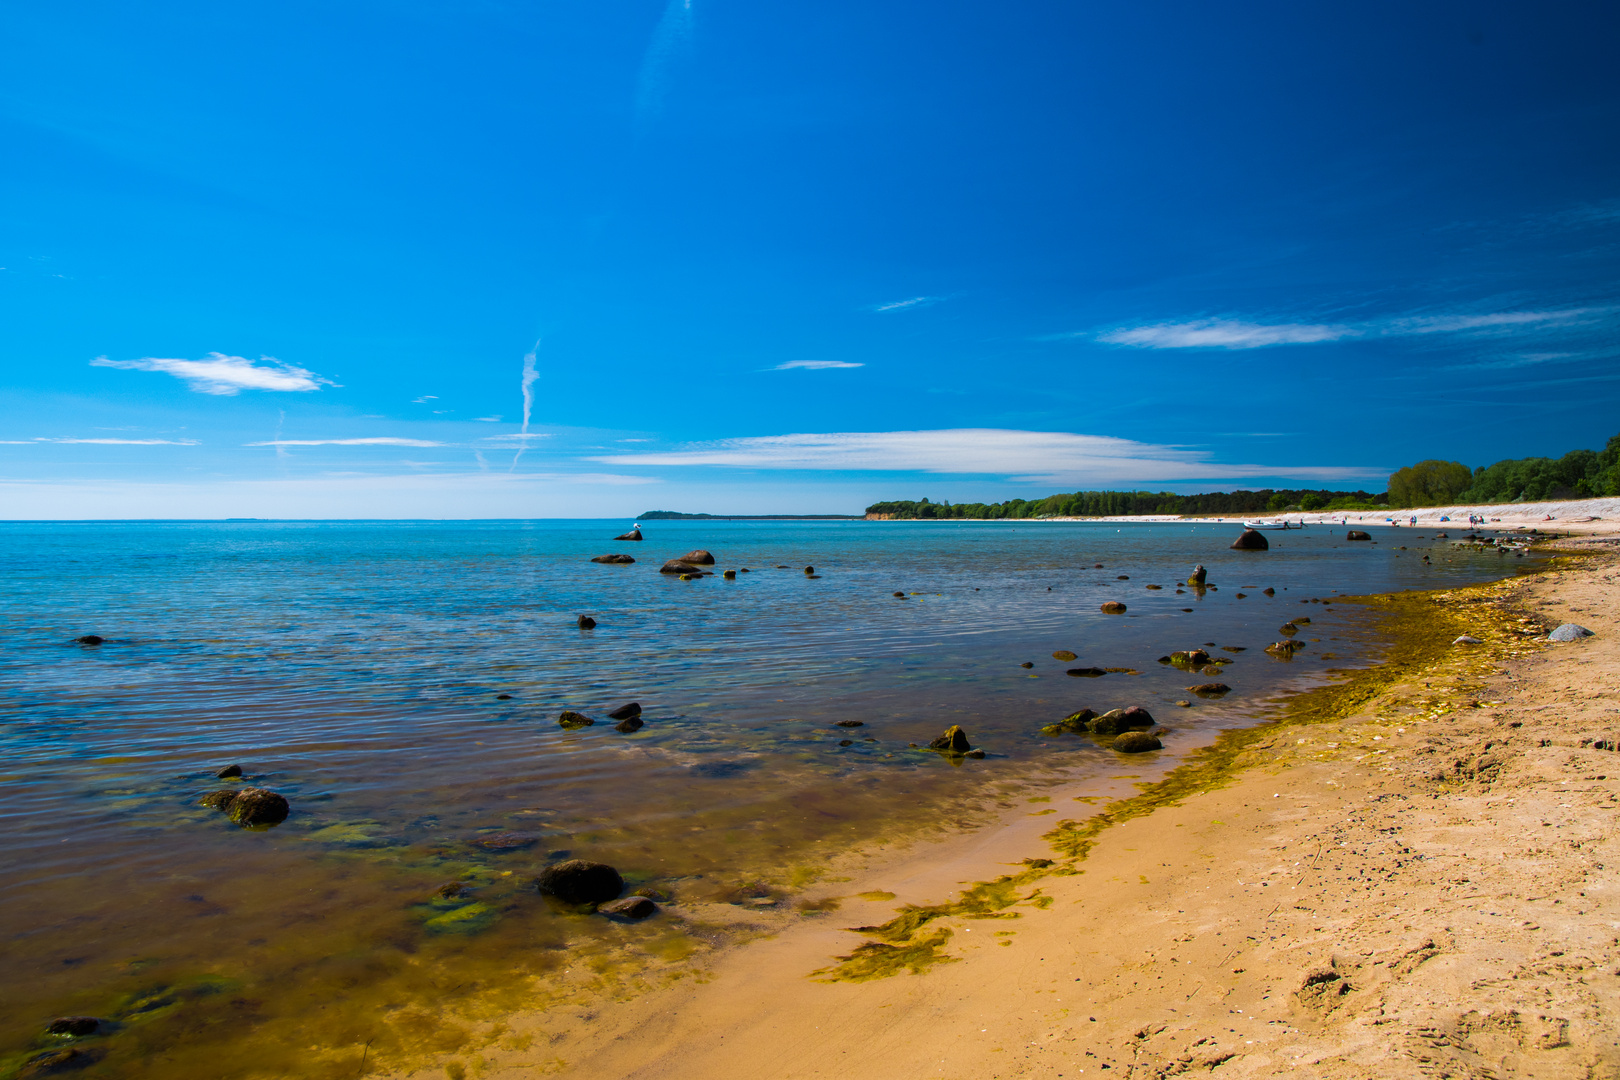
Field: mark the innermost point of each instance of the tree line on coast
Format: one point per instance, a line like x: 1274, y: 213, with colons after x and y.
x: 1578, y: 474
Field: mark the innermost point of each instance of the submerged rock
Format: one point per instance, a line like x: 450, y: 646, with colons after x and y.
x: 507, y: 841
x: 1073, y: 724
x: 587, y: 623
x: 1209, y: 689
x: 579, y: 881
x: 1190, y: 657
x: 851, y: 723
x: 570, y: 719
x: 954, y: 741
x: 1136, y: 742
x: 698, y: 558
x: 1357, y: 534
x: 1251, y: 540
x: 625, y: 712
x: 1269, y: 592
x: 54, y: 1062
x: 631, y: 907
x: 976, y: 754
x: 229, y: 772
x: 810, y: 570
x: 73, y: 1025
x: 633, y: 534
x: 1569, y: 632
x: 730, y: 575
x: 1027, y: 664
x: 452, y: 890
x: 90, y: 639
x: 1113, y: 607
x: 614, y: 559
x: 1063, y: 654
x: 676, y: 566
x: 629, y: 724
x: 218, y: 800
x: 1284, y: 648
x: 1086, y: 672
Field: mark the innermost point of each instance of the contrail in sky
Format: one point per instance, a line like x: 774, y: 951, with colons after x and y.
x: 529, y: 376
x: 669, y: 41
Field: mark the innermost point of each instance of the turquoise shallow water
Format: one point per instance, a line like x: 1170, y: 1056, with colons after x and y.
x: 356, y: 667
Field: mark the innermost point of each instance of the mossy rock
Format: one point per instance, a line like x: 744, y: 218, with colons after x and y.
x: 1136, y: 742
x: 570, y: 720
x: 466, y: 919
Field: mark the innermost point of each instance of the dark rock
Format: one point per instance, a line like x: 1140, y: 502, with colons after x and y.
x: 1284, y: 648
x: 625, y: 712
x: 810, y: 570
x: 1242, y: 596
x: 578, y: 881
x: 851, y: 723
x: 570, y: 719
x: 676, y: 566
x: 954, y: 741
x: 506, y: 841
x: 1063, y: 654
x: 633, y: 534
x: 1251, y: 540
x: 73, y: 1025
x: 1123, y: 577
x: 1113, y: 607
x: 1115, y: 721
x: 1198, y: 575
x: 219, y: 800
x: 1155, y: 586
x: 52, y: 1062
x: 977, y: 755
x: 652, y: 892
x: 1077, y: 722
x: 1209, y: 689
x: 1136, y: 742
x: 631, y: 907
x: 1085, y: 672
x: 452, y: 890
x: 90, y: 639
x: 697, y: 558
x: 257, y: 806
x: 730, y: 575
x: 1569, y: 632
x: 1191, y: 658
x: 629, y: 724
x: 1269, y: 592
x: 1357, y: 534
x: 587, y: 623
x: 1027, y: 664
x: 229, y: 771
x: 614, y: 559
x: 503, y: 697
x: 846, y: 742
x: 901, y: 595
x: 1288, y: 628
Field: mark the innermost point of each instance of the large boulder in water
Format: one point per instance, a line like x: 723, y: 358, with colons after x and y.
x: 1251, y: 540
x: 250, y: 806
x: 1115, y: 721
x: 1357, y: 534
x: 570, y: 720
x: 954, y: 741
x: 578, y: 881
x: 698, y: 558
x: 625, y: 712
x: 633, y: 534
x: 1197, y: 576
x: 1113, y: 607
x: 613, y: 559
x: 1137, y: 742
x: 677, y: 566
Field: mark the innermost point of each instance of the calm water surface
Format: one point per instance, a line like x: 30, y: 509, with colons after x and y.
x: 358, y: 669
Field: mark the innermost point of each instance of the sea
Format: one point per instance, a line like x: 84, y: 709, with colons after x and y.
x: 401, y: 682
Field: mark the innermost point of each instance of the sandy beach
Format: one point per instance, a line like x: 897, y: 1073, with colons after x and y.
x: 1596, y: 517
x: 1410, y: 873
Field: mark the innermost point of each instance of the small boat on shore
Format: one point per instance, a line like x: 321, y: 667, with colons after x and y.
x: 1278, y: 524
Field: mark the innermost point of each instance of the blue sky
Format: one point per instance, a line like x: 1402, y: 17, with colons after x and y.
x: 289, y: 260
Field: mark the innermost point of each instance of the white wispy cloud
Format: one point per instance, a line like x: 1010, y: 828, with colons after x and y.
x: 424, y: 399
x: 670, y: 41
x: 815, y: 365
x: 1045, y: 456
x: 906, y: 305
x: 518, y: 436
x: 612, y: 479
x: 377, y: 441
x: 116, y: 442
x: 487, y: 419
x: 225, y: 375
x: 1238, y: 334
x: 1224, y: 334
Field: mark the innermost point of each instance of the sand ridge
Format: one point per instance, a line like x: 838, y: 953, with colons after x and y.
x: 1423, y: 887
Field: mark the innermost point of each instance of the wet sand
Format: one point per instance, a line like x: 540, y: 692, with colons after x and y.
x: 1411, y: 873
